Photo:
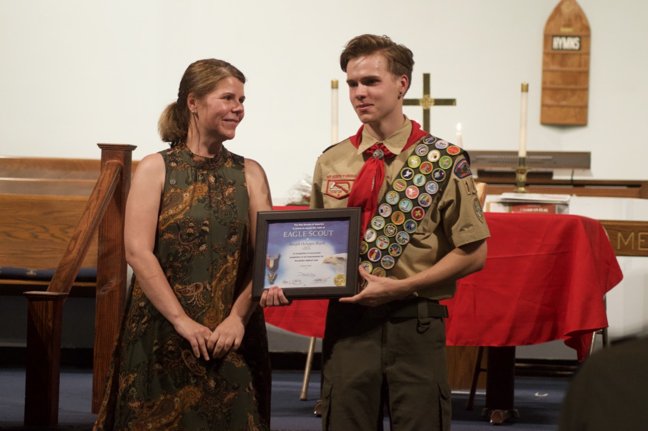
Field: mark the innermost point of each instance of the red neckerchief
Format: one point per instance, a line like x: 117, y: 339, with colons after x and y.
x: 364, y: 193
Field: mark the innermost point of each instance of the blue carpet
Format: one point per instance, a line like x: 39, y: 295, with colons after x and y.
x: 537, y: 400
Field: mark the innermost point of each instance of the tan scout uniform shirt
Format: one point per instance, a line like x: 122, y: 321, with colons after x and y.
x: 454, y: 219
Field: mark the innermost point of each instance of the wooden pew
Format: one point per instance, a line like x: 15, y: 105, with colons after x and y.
x: 41, y: 202
x: 34, y: 233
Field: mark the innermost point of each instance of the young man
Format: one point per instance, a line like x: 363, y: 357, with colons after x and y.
x: 423, y: 229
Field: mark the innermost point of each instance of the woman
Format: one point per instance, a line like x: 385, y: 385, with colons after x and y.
x: 193, y: 353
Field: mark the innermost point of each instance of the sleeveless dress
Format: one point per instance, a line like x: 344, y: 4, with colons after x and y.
x: 202, y: 245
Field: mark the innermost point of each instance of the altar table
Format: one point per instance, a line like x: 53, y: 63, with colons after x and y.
x: 545, y: 279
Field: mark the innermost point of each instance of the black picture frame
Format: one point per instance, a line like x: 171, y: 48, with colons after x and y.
x: 310, y: 253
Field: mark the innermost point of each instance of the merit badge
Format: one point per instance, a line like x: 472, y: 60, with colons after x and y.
x: 426, y: 167
x: 445, y: 162
x: 405, y: 205
x: 395, y: 250
x: 364, y: 247
x: 391, y: 230
x: 453, y: 150
x: 441, y: 144
x: 374, y: 254
x: 410, y: 226
x: 379, y: 272
x: 425, y: 200
x: 413, y: 161
x: 430, y: 139
x: 431, y: 187
x: 434, y: 155
x: 412, y: 192
x: 399, y: 184
x: 385, y: 210
x: 387, y: 262
x: 406, y: 173
x: 398, y: 218
x: 439, y: 174
x: 418, y: 213
x: 366, y: 265
x: 421, y: 150
x: 402, y: 238
x: 370, y: 235
x: 377, y: 222
x: 419, y: 180
x: 382, y: 242
x: 392, y: 197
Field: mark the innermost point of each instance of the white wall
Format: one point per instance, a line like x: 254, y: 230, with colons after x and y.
x: 78, y: 72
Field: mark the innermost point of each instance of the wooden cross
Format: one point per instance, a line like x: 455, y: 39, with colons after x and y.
x: 427, y: 102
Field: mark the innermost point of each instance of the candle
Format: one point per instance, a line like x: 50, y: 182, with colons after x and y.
x: 523, y: 120
x: 459, y: 140
x: 334, y: 111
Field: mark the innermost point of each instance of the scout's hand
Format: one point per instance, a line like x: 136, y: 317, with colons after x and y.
x: 226, y: 337
x: 377, y: 291
x: 273, y: 296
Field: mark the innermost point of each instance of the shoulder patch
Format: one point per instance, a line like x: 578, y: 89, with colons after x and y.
x: 462, y: 169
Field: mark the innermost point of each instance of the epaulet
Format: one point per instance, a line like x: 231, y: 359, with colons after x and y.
x: 330, y: 146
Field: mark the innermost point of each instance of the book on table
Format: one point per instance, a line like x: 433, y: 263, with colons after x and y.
x: 529, y: 203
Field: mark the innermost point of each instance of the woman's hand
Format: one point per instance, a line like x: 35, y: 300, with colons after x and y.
x: 196, y: 334
x: 226, y: 337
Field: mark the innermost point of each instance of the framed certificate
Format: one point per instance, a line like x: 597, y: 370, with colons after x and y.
x: 308, y: 253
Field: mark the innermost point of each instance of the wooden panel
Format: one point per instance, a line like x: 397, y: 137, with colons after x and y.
x: 628, y: 238
x: 45, y: 175
x: 48, y: 167
x: 35, y: 230
x: 541, y: 160
x: 565, y: 66
x: 46, y: 186
x: 600, y: 188
x: 614, y: 192
x: 461, y: 364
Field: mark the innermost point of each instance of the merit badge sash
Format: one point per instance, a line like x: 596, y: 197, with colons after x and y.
x: 407, y: 201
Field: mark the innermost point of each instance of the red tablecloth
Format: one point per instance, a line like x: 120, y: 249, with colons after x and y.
x: 544, y: 279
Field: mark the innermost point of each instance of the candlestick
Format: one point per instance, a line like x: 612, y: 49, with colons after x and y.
x: 523, y: 119
x: 521, y: 176
x: 459, y: 140
x: 334, y: 111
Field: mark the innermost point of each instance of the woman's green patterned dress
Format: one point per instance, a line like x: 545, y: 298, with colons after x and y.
x: 202, y: 244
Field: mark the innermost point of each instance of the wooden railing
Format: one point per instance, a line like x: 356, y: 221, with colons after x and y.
x: 105, y: 212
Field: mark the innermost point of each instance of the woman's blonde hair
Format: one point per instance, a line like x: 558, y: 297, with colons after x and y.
x: 200, y: 79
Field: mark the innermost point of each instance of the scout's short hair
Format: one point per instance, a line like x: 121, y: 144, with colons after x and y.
x: 400, y: 58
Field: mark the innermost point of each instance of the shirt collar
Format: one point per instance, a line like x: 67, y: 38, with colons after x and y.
x: 394, y: 143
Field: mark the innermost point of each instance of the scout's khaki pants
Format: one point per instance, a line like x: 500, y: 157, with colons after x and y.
x: 367, y: 353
